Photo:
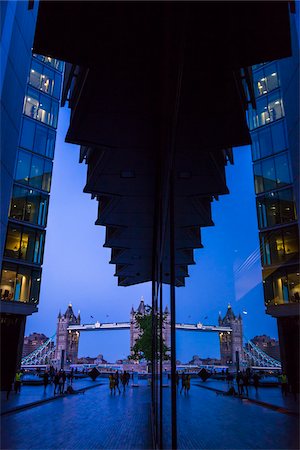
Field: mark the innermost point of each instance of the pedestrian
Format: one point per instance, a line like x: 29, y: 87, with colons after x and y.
x: 112, y: 385
x: 117, y: 381
x: 177, y: 378
x: 245, y: 378
x: 183, y: 378
x: 238, y: 381
x: 127, y: 378
x: 187, y: 383
x: 255, y: 381
x: 72, y: 375
x: 60, y: 382
x: 18, y: 381
x: 46, y: 380
x: 124, y: 379
x: 284, y: 383
x: 56, y: 382
x: 64, y: 378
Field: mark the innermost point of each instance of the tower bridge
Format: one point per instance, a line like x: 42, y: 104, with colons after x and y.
x: 229, y: 328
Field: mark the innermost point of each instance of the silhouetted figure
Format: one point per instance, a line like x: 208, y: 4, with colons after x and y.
x: 183, y: 384
x: 245, y: 379
x: 256, y: 381
x: 117, y: 379
x: 187, y: 383
x: 123, y: 377
x: 127, y: 378
x: 177, y: 378
x: 284, y: 383
x: 238, y: 381
x: 18, y: 380
x: 56, y: 382
x: 112, y: 383
x: 72, y: 375
x: 64, y: 377
x: 45, y: 380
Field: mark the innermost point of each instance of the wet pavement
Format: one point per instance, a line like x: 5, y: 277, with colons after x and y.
x: 98, y: 420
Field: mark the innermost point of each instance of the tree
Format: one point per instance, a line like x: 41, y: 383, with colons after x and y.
x: 143, y: 346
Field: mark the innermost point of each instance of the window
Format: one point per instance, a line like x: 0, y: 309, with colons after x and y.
x: 33, y: 170
x: 282, y: 286
x: 29, y: 206
x: 40, y: 107
x: 271, y: 173
x: 58, y: 65
x: 278, y: 137
x: 23, y: 167
x: 27, y: 135
x: 24, y: 243
x: 37, y: 138
x: 280, y: 245
x: 276, y: 208
x: 265, y: 80
x: 269, y: 109
x: 19, y: 283
x: 37, y: 171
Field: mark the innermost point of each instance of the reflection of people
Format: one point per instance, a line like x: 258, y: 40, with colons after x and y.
x: 284, y: 383
x: 18, y: 379
x: 33, y: 111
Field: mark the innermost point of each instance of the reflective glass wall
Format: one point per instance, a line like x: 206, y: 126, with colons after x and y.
x: 274, y: 188
x: 25, y: 237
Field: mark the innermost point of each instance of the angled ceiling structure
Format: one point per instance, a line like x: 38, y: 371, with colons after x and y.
x: 158, y: 93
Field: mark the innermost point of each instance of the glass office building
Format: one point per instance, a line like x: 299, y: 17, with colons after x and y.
x: 25, y: 237
x: 274, y: 129
x: 24, y: 242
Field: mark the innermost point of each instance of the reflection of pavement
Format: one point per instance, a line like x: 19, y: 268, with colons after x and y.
x: 99, y: 420
x: 271, y: 395
x: 94, y: 420
x: 31, y: 394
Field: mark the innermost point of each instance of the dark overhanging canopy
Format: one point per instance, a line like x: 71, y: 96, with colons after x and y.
x: 158, y: 90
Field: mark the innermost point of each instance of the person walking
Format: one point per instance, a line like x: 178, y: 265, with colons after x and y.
x: 255, y: 382
x: 238, y: 381
x: 64, y: 378
x: 45, y: 380
x: 127, y: 378
x: 18, y: 381
x: 56, y: 382
x: 72, y: 375
x: 245, y: 378
x: 117, y: 379
x: 112, y: 385
x: 188, y: 383
x: 284, y: 383
x: 124, y: 379
x: 183, y: 380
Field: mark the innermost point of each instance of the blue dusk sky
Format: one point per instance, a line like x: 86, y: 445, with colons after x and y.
x: 76, y: 267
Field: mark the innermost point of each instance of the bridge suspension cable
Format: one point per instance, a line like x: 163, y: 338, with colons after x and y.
x: 39, y: 355
x: 253, y: 353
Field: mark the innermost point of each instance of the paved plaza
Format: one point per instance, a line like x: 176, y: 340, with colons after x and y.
x: 98, y: 420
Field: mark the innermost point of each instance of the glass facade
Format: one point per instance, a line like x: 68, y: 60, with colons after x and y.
x: 273, y: 181
x: 25, y: 237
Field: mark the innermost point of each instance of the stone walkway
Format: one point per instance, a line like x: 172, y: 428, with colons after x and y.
x: 98, y: 420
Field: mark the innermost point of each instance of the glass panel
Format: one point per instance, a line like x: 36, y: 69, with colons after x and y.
x: 294, y: 287
x: 42, y: 211
x: 271, y: 77
x: 291, y: 242
x: 54, y: 114
x: 255, y: 149
x: 40, y: 140
x: 282, y: 170
x: 47, y: 176
x: 27, y: 134
x: 50, y: 144
x: 57, y: 86
x: 262, y: 117
x: 260, y: 85
x: 31, y: 104
x: 13, y: 242
x: 44, y: 114
x: 275, y: 107
x: 287, y: 205
x: 23, y: 283
x: 268, y: 172
x: 18, y: 203
x: 23, y: 167
x: 27, y: 245
x: 276, y: 247
x: 7, y: 283
x: 35, y: 74
x: 258, y: 179
x: 35, y: 286
x: 278, y: 137
x: 36, y: 173
x: 32, y: 206
x: 38, y: 248
x: 47, y: 81
x: 265, y: 142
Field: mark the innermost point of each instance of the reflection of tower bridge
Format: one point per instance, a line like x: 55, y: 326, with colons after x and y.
x: 229, y: 328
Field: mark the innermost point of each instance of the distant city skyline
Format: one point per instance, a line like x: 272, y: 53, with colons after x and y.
x: 76, y: 267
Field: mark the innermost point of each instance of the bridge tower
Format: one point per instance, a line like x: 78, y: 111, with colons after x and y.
x: 231, y: 342
x: 134, y: 327
x: 67, y: 341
